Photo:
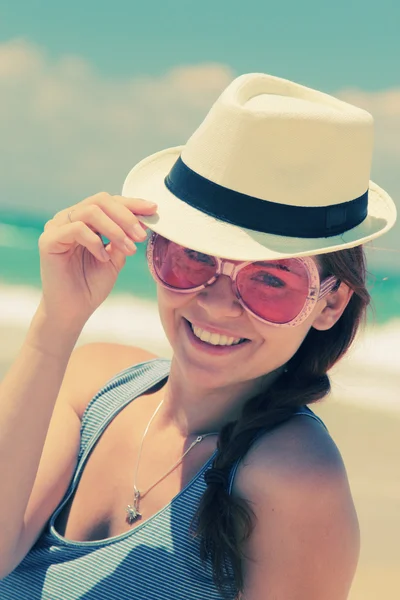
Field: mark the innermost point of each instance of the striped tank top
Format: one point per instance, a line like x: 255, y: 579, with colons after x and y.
x: 157, y: 560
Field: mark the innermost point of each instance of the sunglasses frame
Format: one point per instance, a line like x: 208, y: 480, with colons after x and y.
x: 317, y: 289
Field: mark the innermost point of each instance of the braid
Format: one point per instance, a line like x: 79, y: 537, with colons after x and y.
x: 223, y: 522
x: 235, y: 519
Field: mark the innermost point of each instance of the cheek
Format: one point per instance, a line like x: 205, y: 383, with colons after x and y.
x: 169, y: 300
x: 168, y: 303
x: 284, y: 341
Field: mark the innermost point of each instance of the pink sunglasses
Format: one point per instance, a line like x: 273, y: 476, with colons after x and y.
x: 280, y: 292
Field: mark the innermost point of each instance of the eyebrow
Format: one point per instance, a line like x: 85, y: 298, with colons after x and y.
x: 278, y: 266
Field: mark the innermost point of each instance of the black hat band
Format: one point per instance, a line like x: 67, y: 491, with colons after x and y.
x: 262, y: 215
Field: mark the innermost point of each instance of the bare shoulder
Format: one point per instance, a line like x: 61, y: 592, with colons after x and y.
x: 93, y: 364
x: 307, y: 534
x: 301, y: 447
x: 294, y: 460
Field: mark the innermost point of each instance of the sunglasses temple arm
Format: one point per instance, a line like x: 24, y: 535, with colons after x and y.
x: 330, y: 284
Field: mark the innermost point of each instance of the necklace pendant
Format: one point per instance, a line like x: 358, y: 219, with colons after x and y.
x: 133, y: 511
x: 133, y: 514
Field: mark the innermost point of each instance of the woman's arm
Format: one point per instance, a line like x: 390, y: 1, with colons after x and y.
x: 28, y: 395
x: 306, y: 541
x: 42, y: 399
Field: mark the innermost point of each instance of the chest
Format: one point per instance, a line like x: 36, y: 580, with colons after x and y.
x: 97, y: 509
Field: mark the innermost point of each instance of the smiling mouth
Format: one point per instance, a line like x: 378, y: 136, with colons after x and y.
x: 215, y: 339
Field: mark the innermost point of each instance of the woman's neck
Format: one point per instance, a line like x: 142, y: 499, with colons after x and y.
x: 194, y: 409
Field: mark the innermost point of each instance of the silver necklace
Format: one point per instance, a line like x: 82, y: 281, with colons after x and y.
x: 133, y: 509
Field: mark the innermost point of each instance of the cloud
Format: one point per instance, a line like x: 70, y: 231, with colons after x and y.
x: 69, y: 131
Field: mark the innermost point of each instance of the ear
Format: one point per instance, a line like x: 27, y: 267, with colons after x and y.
x: 332, y: 308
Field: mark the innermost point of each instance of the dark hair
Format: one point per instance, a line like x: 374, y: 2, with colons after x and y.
x: 221, y: 541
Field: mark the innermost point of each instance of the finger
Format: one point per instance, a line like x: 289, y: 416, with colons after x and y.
x: 95, y: 218
x: 136, y: 205
x: 118, y: 209
x: 59, y: 240
x: 124, y: 218
x: 115, y: 207
x: 61, y: 217
x: 140, y: 206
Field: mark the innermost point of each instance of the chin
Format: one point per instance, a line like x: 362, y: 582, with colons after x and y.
x: 207, y: 374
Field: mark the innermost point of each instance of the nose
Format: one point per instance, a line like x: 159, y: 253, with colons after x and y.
x: 219, y: 299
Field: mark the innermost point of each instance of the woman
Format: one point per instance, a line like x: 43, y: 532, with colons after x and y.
x: 213, y: 483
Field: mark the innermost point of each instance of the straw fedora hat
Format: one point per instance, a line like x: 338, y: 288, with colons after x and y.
x: 275, y: 170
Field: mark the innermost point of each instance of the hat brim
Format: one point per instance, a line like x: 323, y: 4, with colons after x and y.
x: 188, y: 226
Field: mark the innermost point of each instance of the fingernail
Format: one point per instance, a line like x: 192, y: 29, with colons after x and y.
x: 104, y: 254
x: 139, y: 231
x: 129, y: 245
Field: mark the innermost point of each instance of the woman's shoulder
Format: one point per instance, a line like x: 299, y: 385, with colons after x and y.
x: 298, y: 453
x: 96, y: 363
x: 307, y: 534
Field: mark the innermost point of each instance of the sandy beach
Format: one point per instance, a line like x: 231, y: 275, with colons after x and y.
x: 369, y: 440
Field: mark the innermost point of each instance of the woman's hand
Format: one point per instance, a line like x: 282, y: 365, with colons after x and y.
x: 77, y: 271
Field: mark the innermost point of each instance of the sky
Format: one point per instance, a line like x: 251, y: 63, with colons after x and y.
x: 88, y: 88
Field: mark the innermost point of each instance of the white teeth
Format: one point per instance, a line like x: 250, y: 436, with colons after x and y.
x: 215, y: 338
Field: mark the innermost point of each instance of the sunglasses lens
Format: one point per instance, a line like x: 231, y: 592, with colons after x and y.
x: 274, y: 290
x: 180, y: 267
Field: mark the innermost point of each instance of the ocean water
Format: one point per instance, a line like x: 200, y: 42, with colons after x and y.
x: 370, y: 374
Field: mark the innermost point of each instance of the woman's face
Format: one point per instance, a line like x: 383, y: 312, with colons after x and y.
x: 217, y: 309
